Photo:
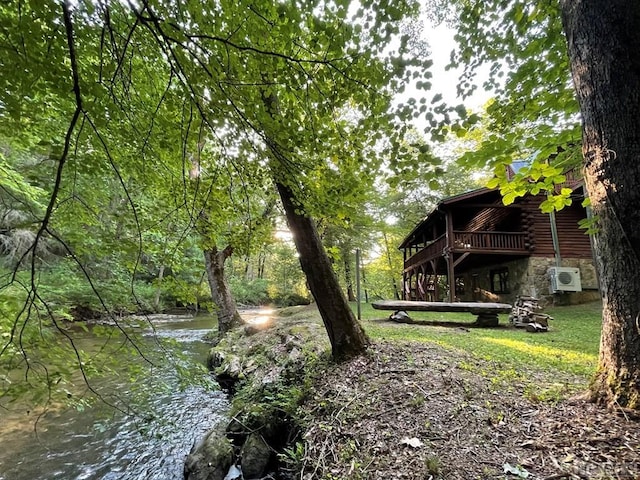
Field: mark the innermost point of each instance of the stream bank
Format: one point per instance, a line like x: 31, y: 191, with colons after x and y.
x: 268, y: 369
x: 406, y: 410
x: 97, y: 442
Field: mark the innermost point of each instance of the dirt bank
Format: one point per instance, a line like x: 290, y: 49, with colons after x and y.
x: 409, y: 410
x: 419, y: 411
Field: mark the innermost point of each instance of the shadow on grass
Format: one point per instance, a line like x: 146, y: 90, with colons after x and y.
x: 441, y: 323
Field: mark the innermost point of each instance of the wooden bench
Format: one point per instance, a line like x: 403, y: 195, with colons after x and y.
x: 487, y: 313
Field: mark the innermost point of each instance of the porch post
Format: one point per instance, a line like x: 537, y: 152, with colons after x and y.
x: 404, y: 285
x: 451, y: 277
x: 405, y: 278
x: 449, y: 256
x: 436, y: 283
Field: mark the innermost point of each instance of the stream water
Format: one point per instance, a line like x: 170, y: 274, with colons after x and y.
x: 100, y: 444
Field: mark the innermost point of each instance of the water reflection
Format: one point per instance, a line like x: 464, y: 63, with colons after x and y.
x: 100, y: 444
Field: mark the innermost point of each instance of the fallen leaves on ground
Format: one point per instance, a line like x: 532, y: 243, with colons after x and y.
x: 420, y: 411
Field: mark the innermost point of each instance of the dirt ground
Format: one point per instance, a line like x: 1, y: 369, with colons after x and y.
x: 419, y: 411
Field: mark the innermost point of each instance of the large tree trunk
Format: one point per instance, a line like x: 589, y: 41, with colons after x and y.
x: 345, y: 333
x: 604, y: 52
x: 226, y: 309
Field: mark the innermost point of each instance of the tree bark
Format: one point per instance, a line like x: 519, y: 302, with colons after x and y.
x: 156, y: 298
x: 226, y: 309
x: 345, y: 333
x: 351, y: 296
x: 604, y: 51
x: 396, y: 293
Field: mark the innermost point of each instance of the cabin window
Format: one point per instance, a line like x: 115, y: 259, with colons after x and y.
x: 500, y: 280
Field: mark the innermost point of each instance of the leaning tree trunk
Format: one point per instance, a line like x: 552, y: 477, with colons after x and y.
x: 604, y: 51
x: 226, y: 309
x: 345, y: 333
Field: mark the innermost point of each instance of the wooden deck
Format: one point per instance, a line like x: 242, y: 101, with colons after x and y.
x: 487, y: 312
x: 480, y: 242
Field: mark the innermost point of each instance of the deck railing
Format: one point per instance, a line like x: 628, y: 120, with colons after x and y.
x: 480, y: 242
x: 433, y: 250
x: 502, y: 241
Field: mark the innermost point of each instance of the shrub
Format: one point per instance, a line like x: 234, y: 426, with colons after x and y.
x: 290, y: 300
x: 250, y: 292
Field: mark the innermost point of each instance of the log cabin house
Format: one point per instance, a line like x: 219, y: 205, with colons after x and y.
x: 472, y: 247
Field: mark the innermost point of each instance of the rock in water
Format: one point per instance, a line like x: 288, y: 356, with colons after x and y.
x: 211, y: 458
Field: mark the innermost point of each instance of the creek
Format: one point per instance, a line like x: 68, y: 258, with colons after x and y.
x: 98, y: 443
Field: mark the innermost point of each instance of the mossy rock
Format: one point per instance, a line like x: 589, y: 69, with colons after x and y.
x: 256, y: 455
x: 268, y: 372
x: 262, y: 356
x: 211, y: 458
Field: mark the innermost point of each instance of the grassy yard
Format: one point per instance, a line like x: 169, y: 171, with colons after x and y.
x: 570, y: 346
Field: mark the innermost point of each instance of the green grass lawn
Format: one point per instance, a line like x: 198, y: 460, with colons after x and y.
x: 571, y: 345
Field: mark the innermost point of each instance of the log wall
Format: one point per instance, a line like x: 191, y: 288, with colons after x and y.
x: 574, y: 242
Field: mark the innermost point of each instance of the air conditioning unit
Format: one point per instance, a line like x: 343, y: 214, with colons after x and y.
x: 564, y: 279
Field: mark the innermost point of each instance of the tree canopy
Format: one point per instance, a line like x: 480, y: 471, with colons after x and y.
x: 135, y: 135
x: 113, y: 102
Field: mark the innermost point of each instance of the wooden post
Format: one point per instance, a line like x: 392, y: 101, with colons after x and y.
x: 436, y: 282
x: 404, y: 285
x: 449, y: 257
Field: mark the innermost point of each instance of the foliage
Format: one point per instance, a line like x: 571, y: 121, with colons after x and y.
x: 293, y: 456
x: 252, y: 292
x: 383, y: 278
x: 263, y: 292
x: 272, y: 276
x: 283, y: 271
x: 533, y: 116
x: 135, y: 134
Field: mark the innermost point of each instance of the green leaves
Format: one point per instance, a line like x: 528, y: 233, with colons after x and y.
x: 533, y: 117
x: 591, y: 225
x: 170, y: 150
x: 556, y: 202
x: 510, y: 192
x: 15, y: 183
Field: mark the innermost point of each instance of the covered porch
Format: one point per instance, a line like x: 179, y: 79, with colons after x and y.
x: 463, y: 232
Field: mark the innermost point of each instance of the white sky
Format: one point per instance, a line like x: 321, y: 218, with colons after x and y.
x: 441, y: 43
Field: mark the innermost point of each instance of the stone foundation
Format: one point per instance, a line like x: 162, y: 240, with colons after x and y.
x: 528, y: 276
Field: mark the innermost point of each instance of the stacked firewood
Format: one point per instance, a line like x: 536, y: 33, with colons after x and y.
x: 524, y: 314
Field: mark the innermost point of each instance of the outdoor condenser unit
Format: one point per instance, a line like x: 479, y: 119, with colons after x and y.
x: 564, y: 279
